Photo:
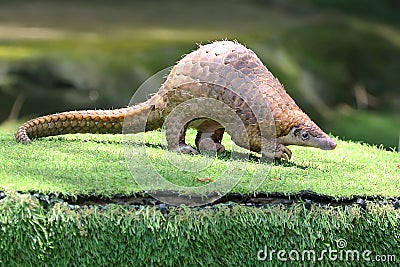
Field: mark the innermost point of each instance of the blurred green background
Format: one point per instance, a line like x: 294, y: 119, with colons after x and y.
x: 339, y: 60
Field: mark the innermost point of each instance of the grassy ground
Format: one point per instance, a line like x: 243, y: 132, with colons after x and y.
x: 96, y: 164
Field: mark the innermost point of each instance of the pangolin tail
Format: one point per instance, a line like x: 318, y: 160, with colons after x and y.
x: 136, y: 118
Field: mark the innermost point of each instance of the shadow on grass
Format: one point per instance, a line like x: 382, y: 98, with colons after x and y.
x: 226, y: 155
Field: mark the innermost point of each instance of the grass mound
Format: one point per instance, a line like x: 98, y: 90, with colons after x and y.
x: 96, y: 165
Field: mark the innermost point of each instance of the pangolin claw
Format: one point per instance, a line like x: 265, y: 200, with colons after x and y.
x: 287, y: 152
x: 283, y: 152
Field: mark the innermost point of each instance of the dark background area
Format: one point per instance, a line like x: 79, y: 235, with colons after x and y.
x: 339, y: 60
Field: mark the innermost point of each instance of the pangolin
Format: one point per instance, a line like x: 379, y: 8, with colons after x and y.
x: 219, y: 80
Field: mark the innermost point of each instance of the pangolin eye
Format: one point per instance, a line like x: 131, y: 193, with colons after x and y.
x: 305, y: 136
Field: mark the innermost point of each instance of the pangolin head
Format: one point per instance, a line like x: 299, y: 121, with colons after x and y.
x: 305, y: 132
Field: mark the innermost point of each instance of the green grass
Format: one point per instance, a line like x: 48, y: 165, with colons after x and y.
x: 224, y: 235
x: 96, y: 165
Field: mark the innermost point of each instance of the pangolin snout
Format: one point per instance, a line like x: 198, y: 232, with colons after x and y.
x: 332, y: 145
x: 329, y: 144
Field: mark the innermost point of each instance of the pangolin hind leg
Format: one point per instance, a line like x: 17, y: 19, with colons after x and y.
x: 209, y: 136
x: 176, y: 138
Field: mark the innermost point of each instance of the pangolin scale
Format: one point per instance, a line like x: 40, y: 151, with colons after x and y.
x: 222, y: 71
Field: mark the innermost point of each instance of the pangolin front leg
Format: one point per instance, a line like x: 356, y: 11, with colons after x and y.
x: 274, y: 150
